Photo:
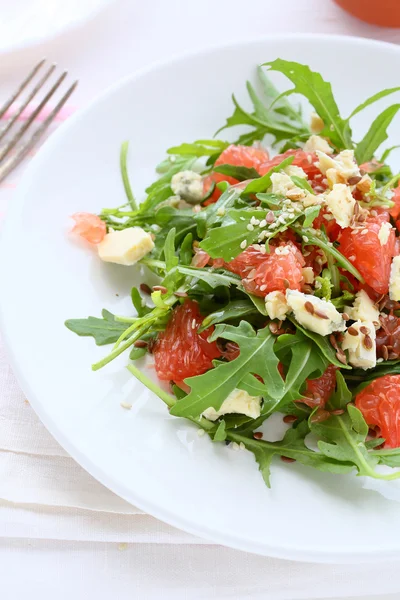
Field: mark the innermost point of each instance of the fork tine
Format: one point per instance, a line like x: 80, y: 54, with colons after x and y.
x: 23, y: 85
x: 14, y: 161
x: 32, y: 117
x: 30, y: 97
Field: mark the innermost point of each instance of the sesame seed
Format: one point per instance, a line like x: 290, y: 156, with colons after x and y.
x: 235, y: 446
x: 242, y: 218
x: 257, y: 435
x: 263, y: 223
x: 250, y: 227
x: 379, y: 360
x: 194, y: 323
x: 263, y: 288
x: 242, y: 446
x: 305, y: 239
x: 364, y: 232
x: 243, y: 244
x: 200, y: 432
x: 221, y: 212
x: 252, y: 273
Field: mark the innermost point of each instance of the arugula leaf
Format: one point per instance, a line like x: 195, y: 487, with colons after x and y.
x: 373, y: 99
x: 239, y: 173
x: 344, y: 300
x: 227, y: 244
x: 309, y: 237
x: 342, y: 395
x: 137, y: 353
x: 325, y: 291
x: 256, y: 356
x: 171, y: 260
x: 319, y: 93
x: 186, y: 252
x: 220, y: 434
x: 105, y: 331
x: 263, y: 183
x: 386, y: 153
x: 291, y: 446
x: 137, y: 302
x: 199, y: 148
x: 214, y: 278
x: 323, y: 344
x: 233, y: 310
x: 342, y: 438
x: 303, y: 184
x: 124, y: 174
x: 310, y: 213
x: 376, y: 134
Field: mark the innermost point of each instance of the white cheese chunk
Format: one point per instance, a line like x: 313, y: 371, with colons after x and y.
x: 188, y: 185
x: 297, y: 171
x: 238, y: 402
x: 341, y: 204
x: 316, y: 123
x: 384, y: 233
x: 125, y: 247
x: 394, y: 281
x: 362, y: 345
x: 363, y: 308
x: 308, y: 275
x: 281, y: 183
x: 344, y: 163
x: 276, y: 305
x: 315, y: 142
x: 320, y: 316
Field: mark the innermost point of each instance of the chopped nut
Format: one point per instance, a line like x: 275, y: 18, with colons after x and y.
x: 296, y: 194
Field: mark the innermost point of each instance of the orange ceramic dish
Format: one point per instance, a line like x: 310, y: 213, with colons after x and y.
x: 385, y: 12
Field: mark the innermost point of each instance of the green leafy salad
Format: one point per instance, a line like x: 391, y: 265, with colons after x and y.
x: 277, y: 260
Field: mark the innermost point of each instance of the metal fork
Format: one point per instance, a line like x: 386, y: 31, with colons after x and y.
x: 11, y: 152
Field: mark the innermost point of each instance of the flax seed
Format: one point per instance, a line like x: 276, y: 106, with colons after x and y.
x: 354, y: 180
x: 364, y: 330
x: 258, y: 435
x: 320, y: 314
x: 385, y: 353
x: 289, y: 418
x: 340, y: 355
x: 160, y: 288
x: 333, y: 341
x: 140, y: 344
x: 309, y: 307
x: 352, y: 331
x: 367, y: 342
x: 345, y: 317
x: 337, y: 412
x: 146, y: 289
x: 286, y: 283
x: 287, y: 459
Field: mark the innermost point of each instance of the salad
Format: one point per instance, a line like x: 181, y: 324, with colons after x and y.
x: 277, y: 259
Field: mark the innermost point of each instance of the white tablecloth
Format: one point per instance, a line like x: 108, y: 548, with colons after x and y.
x: 62, y: 534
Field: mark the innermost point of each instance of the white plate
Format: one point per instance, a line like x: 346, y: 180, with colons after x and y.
x: 24, y: 23
x: 157, y: 462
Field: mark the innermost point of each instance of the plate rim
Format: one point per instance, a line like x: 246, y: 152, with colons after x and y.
x: 289, y: 552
